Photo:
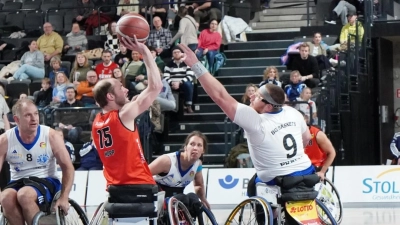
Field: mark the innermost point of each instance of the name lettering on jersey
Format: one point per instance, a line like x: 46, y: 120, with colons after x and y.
x: 286, y: 163
x: 101, y: 123
x: 109, y: 153
x: 280, y: 127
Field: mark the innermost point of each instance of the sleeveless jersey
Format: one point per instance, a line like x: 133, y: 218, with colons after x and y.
x: 120, y: 151
x: 316, y: 155
x: 176, y: 177
x: 35, y: 159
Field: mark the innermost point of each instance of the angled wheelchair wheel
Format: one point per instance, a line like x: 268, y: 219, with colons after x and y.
x: 98, y: 216
x: 207, y: 217
x: 324, y: 214
x: 3, y: 220
x: 178, y: 213
x: 254, y: 210
x: 329, y: 195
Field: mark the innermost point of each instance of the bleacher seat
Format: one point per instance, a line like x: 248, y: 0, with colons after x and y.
x: 35, y: 86
x: 49, y: 5
x: 57, y: 20
x: 14, y: 89
x: 33, y: 22
x: 49, y: 1
x: 68, y: 17
x: 3, y: 18
x: 67, y: 65
x: 12, y: 6
x: 67, y: 4
x: 8, y: 1
x: 8, y: 55
x: 1, y: 5
x: 31, y: 4
x: 15, y: 20
x: 24, y: 81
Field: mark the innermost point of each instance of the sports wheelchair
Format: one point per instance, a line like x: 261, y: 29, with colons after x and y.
x: 292, y: 201
x: 76, y: 215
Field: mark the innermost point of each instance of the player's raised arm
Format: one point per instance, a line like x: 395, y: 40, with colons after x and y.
x: 212, y: 86
x: 142, y: 103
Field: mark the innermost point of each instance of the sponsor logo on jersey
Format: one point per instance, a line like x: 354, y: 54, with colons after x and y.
x: 43, y: 159
x: 42, y: 145
x: 16, y: 155
x: 191, y: 173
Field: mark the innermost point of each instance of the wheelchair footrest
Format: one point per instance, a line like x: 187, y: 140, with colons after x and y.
x: 127, y: 210
x: 299, y: 196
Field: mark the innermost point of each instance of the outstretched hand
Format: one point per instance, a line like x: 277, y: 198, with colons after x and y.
x: 188, y: 55
x: 134, y: 44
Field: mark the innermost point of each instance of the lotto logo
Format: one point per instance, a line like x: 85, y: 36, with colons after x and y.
x: 303, y: 208
x: 228, y: 182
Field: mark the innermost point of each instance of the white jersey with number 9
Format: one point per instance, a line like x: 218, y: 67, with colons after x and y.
x: 275, y: 140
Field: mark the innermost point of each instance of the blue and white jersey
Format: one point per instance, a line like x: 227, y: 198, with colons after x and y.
x: 34, y: 159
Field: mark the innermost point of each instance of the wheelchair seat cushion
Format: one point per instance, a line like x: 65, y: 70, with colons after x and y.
x: 128, y: 210
x: 297, y: 188
x: 299, y: 196
x: 143, y: 193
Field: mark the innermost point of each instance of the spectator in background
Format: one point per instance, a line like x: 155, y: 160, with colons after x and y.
x: 90, y: 159
x: 70, y: 99
x: 85, y: 89
x: 207, y: 10
x: 117, y: 74
x: 131, y: 68
x: 80, y: 68
x: 76, y: 40
x: 112, y: 42
x: 159, y: 38
x: 209, y: 43
x: 50, y: 43
x: 107, y: 7
x: 187, y: 30
x: 180, y: 77
x: 318, y: 50
x: 159, y: 9
x: 306, y: 65
x: 55, y: 64
x: 124, y: 55
x: 60, y: 88
x: 122, y: 10
x: 104, y: 69
x: 295, y: 87
x: 45, y: 95
x: 271, y: 76
x: 70, y: 147
x: 341, y: 8
x: 83, y: 11
x: 351, y: 28
x: 305, y: 96
x: 32, y: 64
x: 394, y: 148
x: 250, y: 90
x: 160, y: 63
x: 166, y: 98
x: 23, y: 95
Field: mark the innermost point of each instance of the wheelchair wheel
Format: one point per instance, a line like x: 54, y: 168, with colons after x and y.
x: 3, y: 220
x: 76, y: 215
x: 98, y: 216
x: 207, y: 217
x: 178, y: 213
x: 331, y: 200
x: 324, y: 214
x: 258, y: 206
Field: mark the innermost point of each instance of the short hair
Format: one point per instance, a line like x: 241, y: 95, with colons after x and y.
x: 106, y: 51
x: 151, y: 48
x: 55, y: 59
x: 315, y: 33
x: 182, y: 11
x: 18, y: 105
x: 304, y: 45
x: 276, y: 93
x: 46, y: 80
x: 294, y: 72
x: 100, y: 91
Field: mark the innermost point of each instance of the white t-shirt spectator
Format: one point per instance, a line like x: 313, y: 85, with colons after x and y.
x: 305, y: 108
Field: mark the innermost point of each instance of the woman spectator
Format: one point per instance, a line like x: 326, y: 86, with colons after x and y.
x: 209, y: 43
x: 80, y: 69
x: 76, y: 40
x: 318, y: 50
x: 55, y: 63
x: 32, y: 64
x: 60, y: 87
x: 250, y: 90
x: 124, y: 55
x: 271, y: 76
x: 187, y: 30
x: 117, y: 74
x: 112, y: 42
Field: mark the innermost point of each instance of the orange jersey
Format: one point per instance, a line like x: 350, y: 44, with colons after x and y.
x: 120, y: 151
x: 316, y: 155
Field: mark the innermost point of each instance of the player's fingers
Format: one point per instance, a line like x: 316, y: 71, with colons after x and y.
x: 128, y: 41
x: 135, y: 39
x: 184, y: 48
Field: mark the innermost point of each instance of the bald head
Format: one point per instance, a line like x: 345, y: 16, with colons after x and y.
x: 101, y: 89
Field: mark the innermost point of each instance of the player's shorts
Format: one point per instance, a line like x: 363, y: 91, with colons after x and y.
x: 47, y: 195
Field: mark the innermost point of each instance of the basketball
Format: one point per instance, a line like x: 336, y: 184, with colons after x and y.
x: 133, y: 24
